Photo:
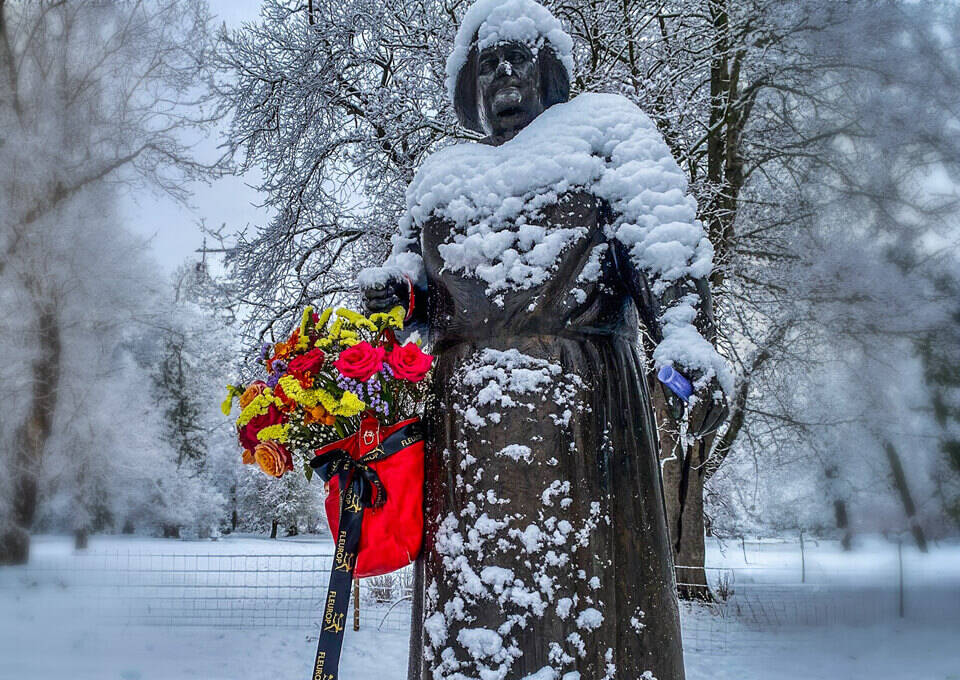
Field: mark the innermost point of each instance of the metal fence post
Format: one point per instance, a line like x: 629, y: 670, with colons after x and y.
x: 356, y: 604
x: 900, y: 571
x: 803, y: 560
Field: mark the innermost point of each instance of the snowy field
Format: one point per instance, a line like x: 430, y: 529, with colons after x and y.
x: 826, y: 615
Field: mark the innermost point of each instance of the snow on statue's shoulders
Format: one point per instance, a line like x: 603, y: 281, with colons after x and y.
x: 599, y: 143
x: 570, y: 145
x: 493, y: 198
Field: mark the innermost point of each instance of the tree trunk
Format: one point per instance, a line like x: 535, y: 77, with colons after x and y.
x: 273, y: 529
x: 900, y: 483
x: 80, y: 539
x: 840, y: 514
x: 31, y: 438
x: 843, y: 523
x: 683, y: 475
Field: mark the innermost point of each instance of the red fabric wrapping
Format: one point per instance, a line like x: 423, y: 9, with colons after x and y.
x: 392, y: 534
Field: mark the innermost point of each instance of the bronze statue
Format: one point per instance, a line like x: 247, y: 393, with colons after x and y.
x: 546, y: 551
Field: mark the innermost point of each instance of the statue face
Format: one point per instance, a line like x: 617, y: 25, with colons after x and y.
x: 508, y: 89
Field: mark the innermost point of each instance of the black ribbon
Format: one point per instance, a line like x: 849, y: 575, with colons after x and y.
x: 360, y: 488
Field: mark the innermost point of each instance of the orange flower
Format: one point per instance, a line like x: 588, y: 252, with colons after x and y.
x: 248, y: 458
x: 273, y: 458
x: 251, y: 393
x: 320, y: 415
x: 282, y: 349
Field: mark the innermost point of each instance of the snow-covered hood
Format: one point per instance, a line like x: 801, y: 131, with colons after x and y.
x: 498, y: 21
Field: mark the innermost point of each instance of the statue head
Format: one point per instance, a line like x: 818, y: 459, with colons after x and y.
x: 511, y: 61
x: 503, y: 87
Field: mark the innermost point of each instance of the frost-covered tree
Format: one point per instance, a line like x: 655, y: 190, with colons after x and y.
x: 116, y: 456
x: 940, y: 352
x: 290, y: 504
x: 105, y: 459
x: 94, y: 94
x: 864, y: 280
x: 339, y: 108
x: 801, y: 143
x: 196, y: 343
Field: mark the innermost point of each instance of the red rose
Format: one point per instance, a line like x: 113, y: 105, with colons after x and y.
x: 360, y: 361
x: 287, y: 404
x: 248, y: 433
x: 306, y: 363
x: 408, y: 362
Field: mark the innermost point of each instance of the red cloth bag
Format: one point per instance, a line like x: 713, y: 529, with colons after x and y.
x: 391, y: 535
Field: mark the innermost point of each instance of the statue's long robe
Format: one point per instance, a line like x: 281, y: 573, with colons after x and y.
x: 546, y: 546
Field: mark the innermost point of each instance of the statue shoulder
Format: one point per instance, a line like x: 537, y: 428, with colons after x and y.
x: 606, y: 112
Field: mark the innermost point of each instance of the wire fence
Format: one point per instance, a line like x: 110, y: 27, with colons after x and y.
x: 723, y: 606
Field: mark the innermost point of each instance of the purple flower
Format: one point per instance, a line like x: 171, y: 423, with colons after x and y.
x: 264, y: 350
x: 273, y: 380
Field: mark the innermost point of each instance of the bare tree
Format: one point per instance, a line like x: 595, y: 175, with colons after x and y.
x: 755, y: 99
x: 95, y: 94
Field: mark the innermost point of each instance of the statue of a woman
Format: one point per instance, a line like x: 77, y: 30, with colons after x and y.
x: 526, y: 259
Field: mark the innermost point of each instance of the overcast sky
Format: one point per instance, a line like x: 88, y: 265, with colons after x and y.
x: 172, y: 229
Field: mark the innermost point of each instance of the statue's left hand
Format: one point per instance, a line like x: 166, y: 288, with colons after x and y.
x: 708, y: 411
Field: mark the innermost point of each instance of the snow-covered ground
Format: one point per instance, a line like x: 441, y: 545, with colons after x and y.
x: 51, y: 628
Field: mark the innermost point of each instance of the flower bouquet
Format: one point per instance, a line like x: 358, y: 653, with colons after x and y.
x: 342, y: 397
x: 337, y: 370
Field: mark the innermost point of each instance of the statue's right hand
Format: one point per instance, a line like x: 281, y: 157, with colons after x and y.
x: 383, y: 289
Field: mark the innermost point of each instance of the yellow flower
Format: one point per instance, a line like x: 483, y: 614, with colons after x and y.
x: 349, y: 406
x: 303, y: 342
x: 274, y: 433
x: 292, y: 388
x: 305, y: 319
x: 356, y: 319
x: 257, y: 407
x: 327, y: 400
x: 232, y: 391
x: 391, y: 319
x: 324, y: 317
